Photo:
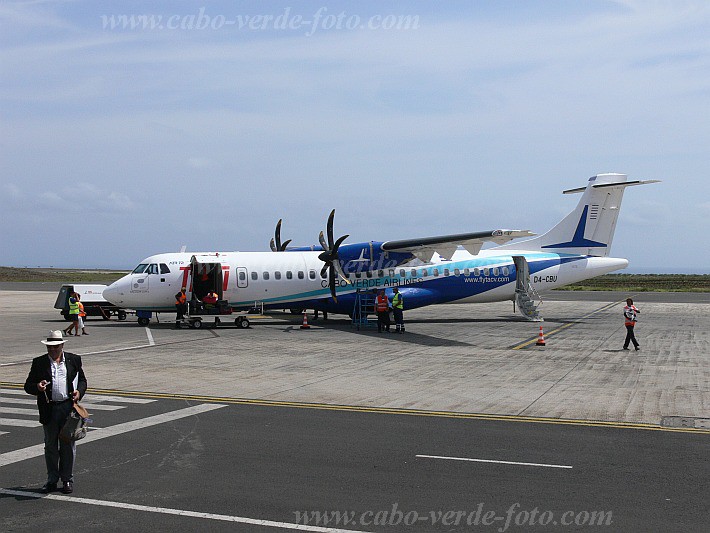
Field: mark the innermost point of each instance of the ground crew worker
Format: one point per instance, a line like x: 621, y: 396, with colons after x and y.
x: 82, y: 314
x: 180, y: 307
x: 73, y: 315
x: 382, y: 308
x: 397, y: 310
x: 630, y: 317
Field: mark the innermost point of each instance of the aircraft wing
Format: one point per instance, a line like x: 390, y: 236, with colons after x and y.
x: 446, y: 245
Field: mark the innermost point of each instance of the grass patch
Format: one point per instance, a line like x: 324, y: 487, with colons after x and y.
x: 104, y: 277
x: 644, y: 283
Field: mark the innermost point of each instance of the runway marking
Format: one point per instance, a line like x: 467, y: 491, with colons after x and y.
x: 178, y: 512
x: 110, y: 431
x: 30, y: 401
x: 491, y: 461
x: 533, y: 340
x: 102, y: 398
x: 16, y: 422
x: 151, y: 342
x: 17, y: 411
x: 393, y: 410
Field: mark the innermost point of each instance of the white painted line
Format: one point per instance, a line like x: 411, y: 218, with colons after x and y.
x: 38, y: 450
x: 101, y: 406
x: 3, y: 432
x: 491, y: 461
x: 151, y: 342
x: 19, y: 401
x: 178, y: 512
x: 19, y: 392
x: 19, y: 423
x: 18, y: 411
x: 95, y: 397
x: 29, y: 401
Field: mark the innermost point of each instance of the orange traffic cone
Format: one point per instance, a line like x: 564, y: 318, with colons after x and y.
x: 305, y: 321
x: 540, y: 339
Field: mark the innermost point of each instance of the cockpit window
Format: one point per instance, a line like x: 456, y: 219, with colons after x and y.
x: 140, y: 269
x: 152, y: 269
x: 164, y: 269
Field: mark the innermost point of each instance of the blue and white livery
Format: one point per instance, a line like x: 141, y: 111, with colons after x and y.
x: 432, y: 270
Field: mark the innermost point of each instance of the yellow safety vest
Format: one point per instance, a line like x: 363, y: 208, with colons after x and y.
x: 397, y: 301
x: 73, y: 307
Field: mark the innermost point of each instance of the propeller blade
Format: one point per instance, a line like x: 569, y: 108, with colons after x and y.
x: 334, y: 251
x: 284, y: 245
x: 332, y: 283
x: 330, y: 228
x: 273, y: 246
x: 323, y: 244
x: 323, y: 271
x: 277, y: 235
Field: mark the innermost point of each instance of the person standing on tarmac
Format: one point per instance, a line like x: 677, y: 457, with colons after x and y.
x: 382, y: 308
x: 630, y: 316
x: 180, y: 307
x: 82, y: 314
x: 397, y: 310
x: 73, y: 315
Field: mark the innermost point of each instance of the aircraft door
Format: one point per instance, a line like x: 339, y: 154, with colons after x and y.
x: 140, y: 278
x: 522, y: 273
x: 242, y: 278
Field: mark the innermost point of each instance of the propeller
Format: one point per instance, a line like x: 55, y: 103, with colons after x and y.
x: 277, y: 246
x: 329, y: 255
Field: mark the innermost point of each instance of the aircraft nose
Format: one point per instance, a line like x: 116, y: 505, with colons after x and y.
x: 113, y: 293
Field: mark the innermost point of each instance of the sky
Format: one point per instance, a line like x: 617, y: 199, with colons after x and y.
x: 134, y: 128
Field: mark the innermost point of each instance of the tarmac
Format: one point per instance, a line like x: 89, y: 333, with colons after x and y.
x: 453, y: 358
x: 461, y: 423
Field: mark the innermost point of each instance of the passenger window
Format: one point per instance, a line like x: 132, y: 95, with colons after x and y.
x: 243, y: 276
x: 140, y: 269
x: 300, y: 274
x: 358, y: 275
x: 380, y: 273
x: 254, y: 276
x: 446, y: 272
x: 435, y: 272
x: 164, y: 269
x: 277, y: 274
x: 289, y: 274
x: 466, y: 272
x: 486, y: 272
x: 312, y: 274
x: 265, y: 276
x: 506, y: 271
x: 457, y: 272
x: 402, y: 273
x: 414, y: 272
x: 476, y: 272
x: 368, y: 273
x: 496, y: 271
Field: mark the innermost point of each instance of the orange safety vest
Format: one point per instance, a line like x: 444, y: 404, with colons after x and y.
x: 382, y: 303
x: 180, y: 299
x: 630, y: 315
x: 81, y: 309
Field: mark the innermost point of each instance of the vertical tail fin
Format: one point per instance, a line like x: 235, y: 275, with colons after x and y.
x: 589, y: 229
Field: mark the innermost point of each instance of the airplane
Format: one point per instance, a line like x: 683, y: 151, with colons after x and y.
x: 335, y: 277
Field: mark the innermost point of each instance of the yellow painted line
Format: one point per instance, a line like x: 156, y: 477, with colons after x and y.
x: 561, y: 328
x: 388, y: 410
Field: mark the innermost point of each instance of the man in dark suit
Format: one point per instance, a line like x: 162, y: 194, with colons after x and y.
x: 58, y: 381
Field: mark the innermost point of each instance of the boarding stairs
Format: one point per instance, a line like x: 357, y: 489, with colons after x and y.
x: 364, y: 306
x: 528, y: 300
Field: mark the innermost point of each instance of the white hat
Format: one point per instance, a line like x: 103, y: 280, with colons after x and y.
x: 55, y: 337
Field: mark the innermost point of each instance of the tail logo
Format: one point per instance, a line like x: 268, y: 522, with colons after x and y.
x: 578, y: 240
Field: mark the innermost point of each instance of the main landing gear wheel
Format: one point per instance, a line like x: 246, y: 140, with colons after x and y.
x: 122, y: 315
x: 143, y: 321
x: 242, y: 322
